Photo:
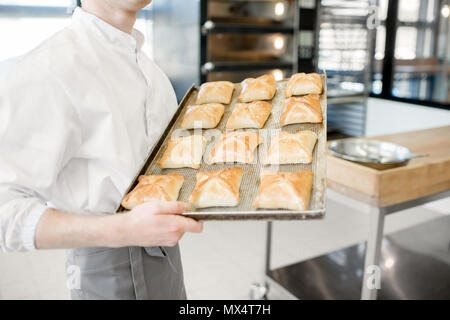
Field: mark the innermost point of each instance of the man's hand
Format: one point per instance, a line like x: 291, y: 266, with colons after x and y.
x: 157, y: 223
x: 150, y: 224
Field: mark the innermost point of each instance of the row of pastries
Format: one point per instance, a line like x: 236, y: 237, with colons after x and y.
x: 253, y: 109
x: 239, y: 146
x: 278, y: 190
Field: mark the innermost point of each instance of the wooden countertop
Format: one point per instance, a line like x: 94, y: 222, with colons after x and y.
x: 419, y: 178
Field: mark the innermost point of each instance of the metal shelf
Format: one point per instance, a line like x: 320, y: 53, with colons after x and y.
x: 344, y: 31
x: 346, y: 99
x: 351, y: 20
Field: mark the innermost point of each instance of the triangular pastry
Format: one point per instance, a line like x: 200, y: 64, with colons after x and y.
x: 154, y: 187
x: 284, y: 190
x: 217, y: 188
x: 291, y: 148
x: 205, y: 116
x: 184, y: 152
x: 215, y: 92
x: 304, y: 109
x: 261, y: 88
x: 249, y: 115
x: 235, y: 146
x: 303, y: 83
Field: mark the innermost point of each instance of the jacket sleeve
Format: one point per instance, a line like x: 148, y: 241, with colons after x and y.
x: 39, y: 133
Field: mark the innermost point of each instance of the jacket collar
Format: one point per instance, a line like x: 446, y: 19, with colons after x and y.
x: 133, y: 41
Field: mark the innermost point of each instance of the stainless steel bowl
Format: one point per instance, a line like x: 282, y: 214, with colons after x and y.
x: 372, y: 153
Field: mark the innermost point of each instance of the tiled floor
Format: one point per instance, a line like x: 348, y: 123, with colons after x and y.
x: 224, y: 260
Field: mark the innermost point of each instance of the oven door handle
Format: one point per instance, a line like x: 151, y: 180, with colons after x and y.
x: 207, y: 26
x: 208, y: 67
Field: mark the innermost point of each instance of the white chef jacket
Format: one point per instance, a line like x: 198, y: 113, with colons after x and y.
x: 78, y: 115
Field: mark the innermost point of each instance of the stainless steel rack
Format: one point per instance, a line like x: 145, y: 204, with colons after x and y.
x: 344, y: 51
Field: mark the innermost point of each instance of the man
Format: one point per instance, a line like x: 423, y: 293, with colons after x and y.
x: 78, y: 116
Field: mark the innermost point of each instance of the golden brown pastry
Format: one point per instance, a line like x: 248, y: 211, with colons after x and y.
x: 290, y: 148
x: 235, y: 146
x: 204, y: 116
x: 184, y: 152
x: 249, y: 115
x: 261, y: 88
x: 303, y: 83
x: 304, y: 109
x: 154, y: 187
x: 217, y: 188
x: 284, y: 190
x: 215, y: 92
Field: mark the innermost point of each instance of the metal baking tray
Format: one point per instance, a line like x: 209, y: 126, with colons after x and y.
x: 250, y: 179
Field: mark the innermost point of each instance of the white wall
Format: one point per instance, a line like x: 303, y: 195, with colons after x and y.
x: 386, y: 117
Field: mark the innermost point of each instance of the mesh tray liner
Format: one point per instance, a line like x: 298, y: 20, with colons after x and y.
x: 250, y: 180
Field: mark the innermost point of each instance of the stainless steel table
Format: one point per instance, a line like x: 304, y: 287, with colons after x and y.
x: 383, y: 192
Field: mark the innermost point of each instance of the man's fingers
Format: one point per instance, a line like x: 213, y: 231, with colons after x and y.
x: 171, y: 207
x: 190, y: 225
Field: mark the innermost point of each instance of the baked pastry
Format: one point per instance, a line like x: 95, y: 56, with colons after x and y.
x: 284, y: 190
x: 184, y: 152
x: 215, y: 92
x: 301, y: 110
x: 288, y: 148
x: 217, y: 188
x: 249, y: 115
x: 154, y: 187
x: 303, y: 83
x: 261, y: 88
x: 204, y: 116
x: 235, y: 146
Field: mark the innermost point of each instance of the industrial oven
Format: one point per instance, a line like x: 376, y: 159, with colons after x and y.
x: 209, y: 40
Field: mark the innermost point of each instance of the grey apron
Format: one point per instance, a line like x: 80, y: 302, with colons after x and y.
x: 125, y: 273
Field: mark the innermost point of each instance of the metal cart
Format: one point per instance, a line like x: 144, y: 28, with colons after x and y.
x: 419, y: 254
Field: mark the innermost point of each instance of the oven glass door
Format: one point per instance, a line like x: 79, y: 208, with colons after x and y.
x: 238, y: 76
x: 249, y: 47
x: 251, y: 12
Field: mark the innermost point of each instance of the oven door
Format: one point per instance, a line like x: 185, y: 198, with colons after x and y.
x: 227, y: 47
x: 231, y: 56
x: 239, y: 75
x: 251, y: 12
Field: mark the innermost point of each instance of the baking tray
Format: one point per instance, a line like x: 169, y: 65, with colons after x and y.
x: 250, y: 179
